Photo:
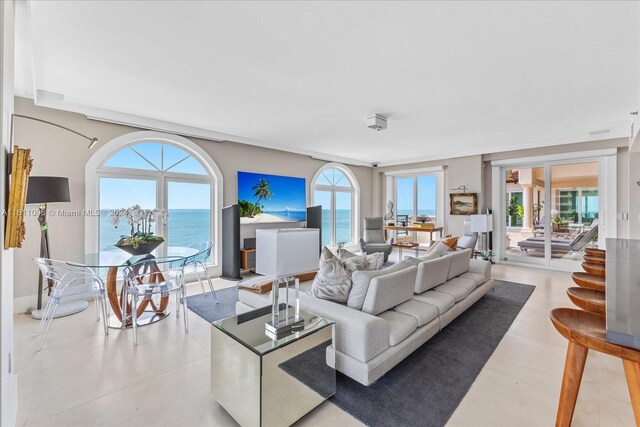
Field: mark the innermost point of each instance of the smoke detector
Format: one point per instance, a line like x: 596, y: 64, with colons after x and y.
x: 377, y: 122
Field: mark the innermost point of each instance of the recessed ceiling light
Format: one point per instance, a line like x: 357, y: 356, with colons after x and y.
x: 599, y: 132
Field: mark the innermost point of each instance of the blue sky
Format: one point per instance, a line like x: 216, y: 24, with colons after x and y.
x: 118, y: 193
x: 426, y: 193
x: 288, y: 192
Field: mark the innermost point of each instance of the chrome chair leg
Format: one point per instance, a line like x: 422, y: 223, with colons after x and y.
x: 44, y: 316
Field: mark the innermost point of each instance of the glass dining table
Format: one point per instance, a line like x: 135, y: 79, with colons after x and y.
x: 114, y: 260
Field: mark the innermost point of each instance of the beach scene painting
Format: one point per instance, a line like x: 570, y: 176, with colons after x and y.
x: 464, y: 204
x: 267, y: 198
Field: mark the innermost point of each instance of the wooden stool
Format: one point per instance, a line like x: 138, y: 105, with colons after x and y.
x: 595, y: 269
x: 595, y: 252
x: 587, y: 331
x: 595, y: 260
x: 588, y: 299
x: 586, y: 280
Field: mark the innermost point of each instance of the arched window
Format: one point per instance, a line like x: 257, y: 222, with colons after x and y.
x: 335, y: 188
x: 154, y: 170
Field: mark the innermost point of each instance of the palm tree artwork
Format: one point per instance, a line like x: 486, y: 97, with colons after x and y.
x: 262, y: 192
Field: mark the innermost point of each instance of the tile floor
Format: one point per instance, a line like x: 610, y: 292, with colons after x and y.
x: 81, y: 378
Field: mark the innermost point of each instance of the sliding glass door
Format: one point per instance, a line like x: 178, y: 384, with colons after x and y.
x: 551, y: 211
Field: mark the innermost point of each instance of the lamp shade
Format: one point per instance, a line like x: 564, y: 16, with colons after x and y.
x: 286, y: 251
x: 47, y: 189
x: 482, y: 223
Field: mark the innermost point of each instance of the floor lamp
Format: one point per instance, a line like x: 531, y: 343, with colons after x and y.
x: 41, y: 191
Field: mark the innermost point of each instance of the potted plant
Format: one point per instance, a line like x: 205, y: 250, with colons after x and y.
x: 141, y: 239
x: 514, y: 209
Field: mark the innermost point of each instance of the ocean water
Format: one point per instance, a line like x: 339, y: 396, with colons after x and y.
x: 186, y: 227
x: 190, y: 227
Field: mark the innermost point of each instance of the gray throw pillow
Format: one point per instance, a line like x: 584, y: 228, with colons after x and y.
x: 361, y: 280
x: 365, y: 262
x: 332, y: 281
x: 413, y: 261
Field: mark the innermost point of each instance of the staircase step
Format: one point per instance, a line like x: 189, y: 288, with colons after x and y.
x: 595, y: 260
x: 589, y: 281
x: 595, y: 269
x: 588, y: 299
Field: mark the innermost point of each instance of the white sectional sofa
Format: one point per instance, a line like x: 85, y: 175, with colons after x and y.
x: 403, y: 307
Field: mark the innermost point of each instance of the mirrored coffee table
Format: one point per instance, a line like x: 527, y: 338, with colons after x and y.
x: 270, y: 382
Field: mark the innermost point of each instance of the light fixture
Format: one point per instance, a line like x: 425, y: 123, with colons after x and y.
x: 462, y: 188
x: 377, y: 122
x: 92, y: 141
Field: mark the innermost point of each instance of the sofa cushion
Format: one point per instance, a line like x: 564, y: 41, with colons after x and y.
x: 362, y: 279
x: 457, y: 292
x: 459, y: 263
x: 399, y: 325
x: 389, y: 290
x: 414, y: 261
x: 332, y: 281
x: 423, y: 312
x: 253, y: 299
x: 476, y: 277
x: 432, y: 273
x: 442, y: 301
x: 468, y: 284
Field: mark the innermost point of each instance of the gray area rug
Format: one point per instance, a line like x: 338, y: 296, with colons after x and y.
x: 426, y: 387
x: 204, y: 305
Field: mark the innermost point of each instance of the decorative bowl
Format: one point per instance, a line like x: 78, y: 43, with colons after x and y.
x: 142, y: 249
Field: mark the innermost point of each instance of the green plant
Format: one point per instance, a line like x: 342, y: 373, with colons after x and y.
x: 514, y: 208
x: 262, y: 191
x: 247, y: 208
x: 140, y: 221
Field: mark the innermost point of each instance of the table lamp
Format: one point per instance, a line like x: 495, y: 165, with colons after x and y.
x: 482, y: 223
x: 281, y: 254
x: 42, y: 190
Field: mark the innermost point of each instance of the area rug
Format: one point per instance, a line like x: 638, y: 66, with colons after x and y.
x: 427, y: 387
x: 205, y: 306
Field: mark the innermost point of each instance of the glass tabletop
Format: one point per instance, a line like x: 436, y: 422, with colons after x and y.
x: 120, y: 258
x: 249, y: 330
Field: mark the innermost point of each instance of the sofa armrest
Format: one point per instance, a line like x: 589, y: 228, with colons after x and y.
x: 360, y: 335
x: 481, y: 267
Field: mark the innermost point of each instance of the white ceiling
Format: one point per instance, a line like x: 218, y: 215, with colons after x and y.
x: 454, y: 78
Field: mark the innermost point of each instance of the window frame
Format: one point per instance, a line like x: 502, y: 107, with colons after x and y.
x: 95, y: 170
x: 355, y: 199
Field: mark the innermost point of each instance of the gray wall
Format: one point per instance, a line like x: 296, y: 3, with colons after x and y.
x: 59, y: 153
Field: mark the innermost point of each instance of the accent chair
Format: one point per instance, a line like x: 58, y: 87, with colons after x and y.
x: 373, y: 240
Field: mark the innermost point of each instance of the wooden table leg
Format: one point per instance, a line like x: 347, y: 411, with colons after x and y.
x: 573, y: 369
x: 632, y: 372
x: 112, y: 292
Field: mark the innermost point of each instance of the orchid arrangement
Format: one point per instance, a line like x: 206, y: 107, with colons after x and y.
x: 140, y: 221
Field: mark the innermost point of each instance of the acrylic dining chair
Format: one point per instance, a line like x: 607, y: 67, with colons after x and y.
x: 152, y: 278
x: 198, y: 263
x: 63, y: 277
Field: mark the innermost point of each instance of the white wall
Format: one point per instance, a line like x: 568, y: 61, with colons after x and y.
x: 59, y: 153
x: 8, y: 383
